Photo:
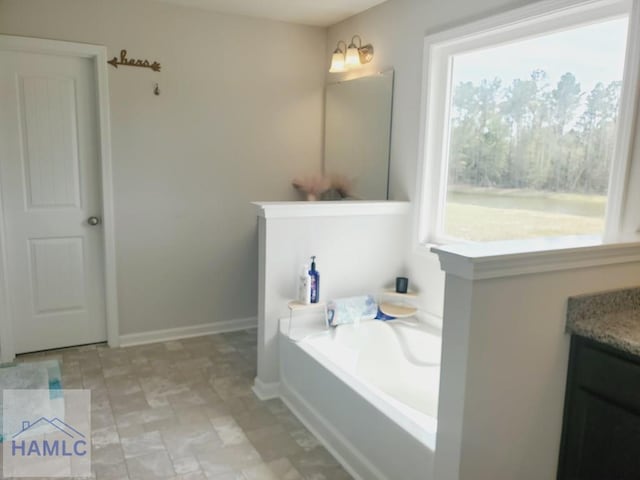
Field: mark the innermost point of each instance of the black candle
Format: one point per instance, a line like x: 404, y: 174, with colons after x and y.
x: 402, y: 284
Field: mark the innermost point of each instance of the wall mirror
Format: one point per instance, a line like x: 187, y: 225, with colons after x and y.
x: 358, y: 134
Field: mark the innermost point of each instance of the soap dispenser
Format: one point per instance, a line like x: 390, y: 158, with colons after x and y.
x: 314, y: 276
x: 304, y: 285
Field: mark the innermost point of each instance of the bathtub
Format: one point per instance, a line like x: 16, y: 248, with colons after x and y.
x: 368, y: 391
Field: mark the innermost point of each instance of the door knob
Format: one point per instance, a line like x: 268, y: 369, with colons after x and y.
x: 93, y: 221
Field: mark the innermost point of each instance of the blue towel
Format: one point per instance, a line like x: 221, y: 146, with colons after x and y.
x: 383, y: 316
x: 349, y: 310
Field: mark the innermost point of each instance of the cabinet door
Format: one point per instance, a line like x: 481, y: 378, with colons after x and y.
x: 601, y: 431
x: 603, y: 440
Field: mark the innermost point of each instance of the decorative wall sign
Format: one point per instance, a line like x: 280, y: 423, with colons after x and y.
x: 132, y: 62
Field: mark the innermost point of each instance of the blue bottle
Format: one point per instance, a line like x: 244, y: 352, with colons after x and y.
x: 315, y: 281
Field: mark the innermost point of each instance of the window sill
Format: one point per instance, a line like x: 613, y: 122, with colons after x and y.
x: 518, y: 257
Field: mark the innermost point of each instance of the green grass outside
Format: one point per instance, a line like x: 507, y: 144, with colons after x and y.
x: 490, y: 215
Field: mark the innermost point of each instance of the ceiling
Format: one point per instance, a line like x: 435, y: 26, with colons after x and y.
x: 322, y: 13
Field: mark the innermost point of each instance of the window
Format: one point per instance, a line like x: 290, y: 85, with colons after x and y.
x: 523, y: 132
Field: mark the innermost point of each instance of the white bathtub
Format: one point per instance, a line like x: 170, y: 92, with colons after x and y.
x: 369, y: 392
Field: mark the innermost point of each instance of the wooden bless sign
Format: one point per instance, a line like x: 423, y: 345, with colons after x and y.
x: 132, y: 62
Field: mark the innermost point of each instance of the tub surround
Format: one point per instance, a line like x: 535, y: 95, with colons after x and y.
x: 359, y: 246
x: 612, y: 318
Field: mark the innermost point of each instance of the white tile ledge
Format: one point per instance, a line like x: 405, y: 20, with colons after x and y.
x: 330, y: 209
x: 522, y: 257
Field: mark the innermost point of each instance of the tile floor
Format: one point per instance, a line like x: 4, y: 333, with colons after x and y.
x: 185, y: 410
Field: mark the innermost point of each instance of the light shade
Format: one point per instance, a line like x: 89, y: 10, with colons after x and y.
x: 337, y: 62
x: 352, y: 58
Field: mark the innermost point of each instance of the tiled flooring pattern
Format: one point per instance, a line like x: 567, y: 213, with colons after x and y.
x: 185, y: 410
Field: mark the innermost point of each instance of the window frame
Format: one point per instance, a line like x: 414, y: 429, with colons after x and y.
x: 521, y: 23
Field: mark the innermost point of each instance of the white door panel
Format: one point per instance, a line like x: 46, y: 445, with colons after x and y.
x: 51, y: 259
x: 49, y: 177
x: 50, y: 143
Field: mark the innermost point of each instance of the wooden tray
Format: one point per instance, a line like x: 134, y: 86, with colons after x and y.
x: 398, y: 311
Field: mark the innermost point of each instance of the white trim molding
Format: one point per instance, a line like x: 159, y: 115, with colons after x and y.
x: 7, y: 350
x: 627, y: 127
x: 264, y: 390
x: 330, y: 209
x: 168, y: 334
x: 543, y: 16
x: 98, y: 54
x: 519, y: 257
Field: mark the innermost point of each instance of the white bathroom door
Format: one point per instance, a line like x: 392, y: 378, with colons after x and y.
x: 50, y: 185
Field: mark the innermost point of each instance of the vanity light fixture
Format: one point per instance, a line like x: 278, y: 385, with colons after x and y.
x: 353, y: 55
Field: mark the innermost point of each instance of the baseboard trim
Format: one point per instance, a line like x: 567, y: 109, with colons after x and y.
x: 155, y: 336
x: 264, y: 390
x: 351, y: 459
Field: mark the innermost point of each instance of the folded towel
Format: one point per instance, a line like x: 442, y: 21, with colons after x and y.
x: 349, y: 310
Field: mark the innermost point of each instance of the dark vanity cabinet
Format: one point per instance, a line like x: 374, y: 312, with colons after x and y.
x: 601, y: 426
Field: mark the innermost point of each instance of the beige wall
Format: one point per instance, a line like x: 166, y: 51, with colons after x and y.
x: 397, y: 29
x: 511, y: 361
x: 239, y: 115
